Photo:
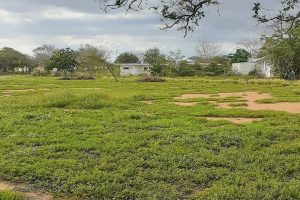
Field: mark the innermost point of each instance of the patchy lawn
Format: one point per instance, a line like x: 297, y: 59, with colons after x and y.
x: 99, y: 139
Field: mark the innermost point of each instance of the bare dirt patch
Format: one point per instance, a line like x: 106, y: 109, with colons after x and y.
x: 23, y: 90
x: 186, y: 104
x: 5, y: 94
x: 27, y: 191
x: 148, y: 102
x: 235, y: 120
x: 192, y: 96
x: 250, y: 98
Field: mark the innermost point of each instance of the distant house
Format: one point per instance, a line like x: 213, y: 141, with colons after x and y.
x: 134, y: 69
x: 260, y: 64
x: 22, y: 69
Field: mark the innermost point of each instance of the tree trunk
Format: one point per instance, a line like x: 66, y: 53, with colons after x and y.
x: 111, y: 71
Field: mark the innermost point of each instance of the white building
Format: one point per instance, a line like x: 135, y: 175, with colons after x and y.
x: 128, y: 69
x: 260, y: 64
x: 22, y: 69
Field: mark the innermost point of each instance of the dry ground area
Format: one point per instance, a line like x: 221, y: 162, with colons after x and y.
x: 30, y: 193
x: 249, y: 100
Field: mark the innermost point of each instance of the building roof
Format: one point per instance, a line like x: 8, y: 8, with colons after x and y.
x: 133, y: 64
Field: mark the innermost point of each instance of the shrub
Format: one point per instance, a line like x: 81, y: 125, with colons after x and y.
x: 80, y: 76
x: 148, y: 78
x: 37, y: 72
x: 84, y: 76
x: 256, y: 73
x: 185, y: 69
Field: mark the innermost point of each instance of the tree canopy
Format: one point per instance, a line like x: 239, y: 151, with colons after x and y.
x: 64, y: 59
x: 284, y: 53
x: 11, y: 59
x: 91, y: 58
x: 42, y: 54
x: 186, y: 14
x: 127, y: 58
x: 241, y: 55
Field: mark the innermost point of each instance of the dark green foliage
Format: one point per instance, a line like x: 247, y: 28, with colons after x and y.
x: 185, y: 69
x: 127, y: 58
x: 160, y: 65
x: 284, y: 52
x: 241, y: 55
x: 64, y: 60
x: 152, y: 55
x: 11, y: 59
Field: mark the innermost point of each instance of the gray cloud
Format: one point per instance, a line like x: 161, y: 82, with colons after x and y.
x: 26, y: 24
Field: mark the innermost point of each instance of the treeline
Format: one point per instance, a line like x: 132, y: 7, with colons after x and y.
x: 89, y: 59
x: 283, y: 52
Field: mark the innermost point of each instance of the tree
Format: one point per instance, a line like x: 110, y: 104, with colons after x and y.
x: 251, y: 45
x: 152, y: 55
x: 175, y: 57
x: 284, y: 53
x: 64, y: 60
x: 285, y: 19
x: 91, y: 58
x: 207, y: 50
x: 186, y: 14
x: 43, y: 54
x: 127, y: 57
x: 11, y: 59
x: 241, y: 55
x: 160, y: 65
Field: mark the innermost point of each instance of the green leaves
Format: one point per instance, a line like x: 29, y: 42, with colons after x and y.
x: 64, y: 59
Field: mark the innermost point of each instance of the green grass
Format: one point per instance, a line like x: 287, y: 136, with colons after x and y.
x: 97, y: 140
x: 11, y: 195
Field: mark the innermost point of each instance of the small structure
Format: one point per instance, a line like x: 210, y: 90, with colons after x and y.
x: 41, y: 69
x: 260, y: 64
x: 134, y: 69
x: 22, y: 69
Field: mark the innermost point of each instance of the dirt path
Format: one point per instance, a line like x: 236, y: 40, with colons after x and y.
x: 250, y: 101
x: 30, y: 193
x: 235, y: 120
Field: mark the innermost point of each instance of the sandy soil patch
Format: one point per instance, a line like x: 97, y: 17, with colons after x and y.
x: 148, y: 102
x: 186, y: 104
x: 28, y: 192
x: 234, y: 120
x: 192, y: 96
x: 5, y: 94
x: 24, y: 90
x: 250, y: 98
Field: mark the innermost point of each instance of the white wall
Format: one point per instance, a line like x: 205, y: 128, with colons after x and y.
x: 127, y: 70
x: 243, y: 68
x: 265, y: 69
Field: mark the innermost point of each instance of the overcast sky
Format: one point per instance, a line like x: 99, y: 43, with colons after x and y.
x: 26, y: 24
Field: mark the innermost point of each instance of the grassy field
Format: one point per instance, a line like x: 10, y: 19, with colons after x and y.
x: 97, y: 140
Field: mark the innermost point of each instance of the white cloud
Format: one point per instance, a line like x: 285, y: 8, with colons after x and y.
x: 64, y: 14
x: 13, y: 19
x: 26, y: 24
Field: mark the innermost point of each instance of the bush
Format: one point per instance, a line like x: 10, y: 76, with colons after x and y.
x: 37, y: 72
x: 185, y: 69
x: 148, y: 78
x: 256, y: 73
x: 84, y: 76
x: 79, y: 76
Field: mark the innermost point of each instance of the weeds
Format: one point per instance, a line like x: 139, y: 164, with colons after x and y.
x: 95, y: 140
